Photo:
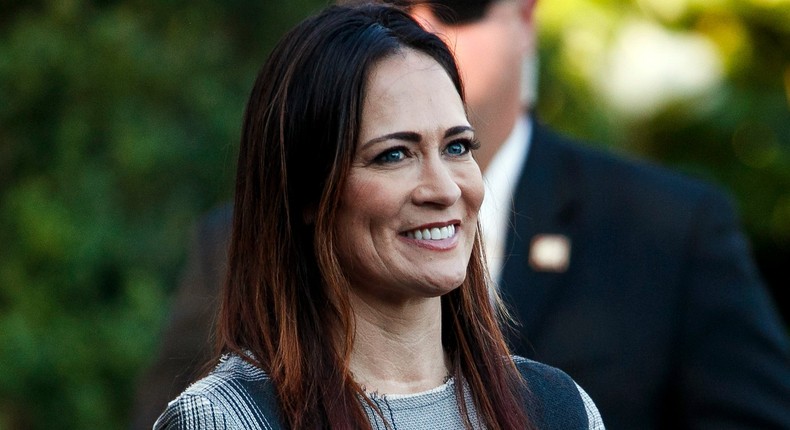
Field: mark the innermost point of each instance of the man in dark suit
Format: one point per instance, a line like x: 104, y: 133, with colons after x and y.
x: 636, y: 281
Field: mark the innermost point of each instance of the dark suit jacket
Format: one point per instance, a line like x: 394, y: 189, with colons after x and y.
x: 660, y: 315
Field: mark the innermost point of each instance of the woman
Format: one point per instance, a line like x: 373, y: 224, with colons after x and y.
x: 356, y: 294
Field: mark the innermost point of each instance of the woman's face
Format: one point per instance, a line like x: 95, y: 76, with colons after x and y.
x: 408, y: 215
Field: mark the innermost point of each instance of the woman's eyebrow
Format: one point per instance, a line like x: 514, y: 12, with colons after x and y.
x: 408, y: 136
x: 411, y: 136
x: 452, y: 131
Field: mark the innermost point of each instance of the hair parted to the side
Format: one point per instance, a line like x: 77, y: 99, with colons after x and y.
x: 285, y: 305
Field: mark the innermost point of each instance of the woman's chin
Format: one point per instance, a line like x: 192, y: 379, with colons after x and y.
x: 442, y: 285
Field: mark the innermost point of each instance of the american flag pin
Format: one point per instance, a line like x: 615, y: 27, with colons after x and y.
x: 550, y: 253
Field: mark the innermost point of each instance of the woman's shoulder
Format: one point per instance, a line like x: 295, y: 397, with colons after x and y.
x: 542, y: 375
x: 555, y: 400
x: 236, y: 394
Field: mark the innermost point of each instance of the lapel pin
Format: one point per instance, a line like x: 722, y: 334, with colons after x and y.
x: 550, y: 253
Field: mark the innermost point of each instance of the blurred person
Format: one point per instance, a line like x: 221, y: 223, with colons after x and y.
x: 636, y: 281
x: 356, y: 293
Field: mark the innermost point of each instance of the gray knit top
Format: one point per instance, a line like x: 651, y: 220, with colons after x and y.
x: 238, y: 395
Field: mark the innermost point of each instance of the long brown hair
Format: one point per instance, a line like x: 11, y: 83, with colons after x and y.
x: 285, y: 304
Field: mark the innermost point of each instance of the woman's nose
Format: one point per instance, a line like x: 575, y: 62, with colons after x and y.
x: 437, y: 184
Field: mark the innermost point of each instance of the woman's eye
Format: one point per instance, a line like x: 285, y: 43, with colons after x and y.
x: 459, y: 147
x: 391, y: 156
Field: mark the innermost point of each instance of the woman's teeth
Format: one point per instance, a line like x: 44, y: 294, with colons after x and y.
x: 435, y: 233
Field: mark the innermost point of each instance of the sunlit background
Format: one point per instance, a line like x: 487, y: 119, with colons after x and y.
x: 119, y: 122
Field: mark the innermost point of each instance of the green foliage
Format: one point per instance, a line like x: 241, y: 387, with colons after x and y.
x: 118, y: 128
x: 118, y: 124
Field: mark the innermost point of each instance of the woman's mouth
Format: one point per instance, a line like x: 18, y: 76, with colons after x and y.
x: 433, y: 233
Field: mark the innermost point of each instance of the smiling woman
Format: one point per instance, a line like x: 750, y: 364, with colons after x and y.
x: 412, y: 181
x: 356, y: 293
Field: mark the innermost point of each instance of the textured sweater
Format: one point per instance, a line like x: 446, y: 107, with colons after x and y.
x: 238, y: 395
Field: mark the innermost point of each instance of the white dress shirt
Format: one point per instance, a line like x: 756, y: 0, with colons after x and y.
x: 500, y: 179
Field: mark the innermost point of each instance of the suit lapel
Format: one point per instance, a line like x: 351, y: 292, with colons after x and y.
x: 545, y: 206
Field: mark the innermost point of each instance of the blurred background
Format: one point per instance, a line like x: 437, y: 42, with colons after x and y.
x: 119, y: 123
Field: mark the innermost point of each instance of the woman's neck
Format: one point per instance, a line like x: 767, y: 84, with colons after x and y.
x: 399, y: 350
